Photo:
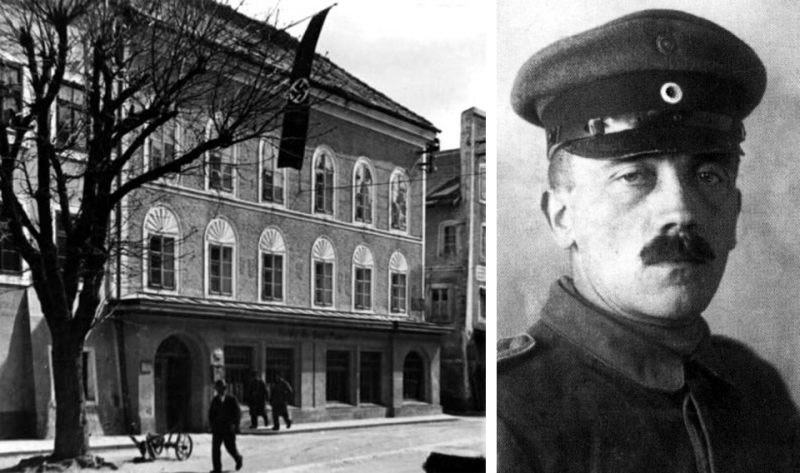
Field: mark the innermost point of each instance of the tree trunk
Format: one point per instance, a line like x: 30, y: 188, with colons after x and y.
x: 72, y: 437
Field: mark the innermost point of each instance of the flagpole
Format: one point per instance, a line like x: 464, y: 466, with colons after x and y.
x: 309, y: 16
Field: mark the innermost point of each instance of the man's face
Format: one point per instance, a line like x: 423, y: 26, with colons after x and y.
x: 650, y: 236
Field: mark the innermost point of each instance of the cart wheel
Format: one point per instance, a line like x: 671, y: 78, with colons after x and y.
x: 158, y: 445
x: 183, y: 446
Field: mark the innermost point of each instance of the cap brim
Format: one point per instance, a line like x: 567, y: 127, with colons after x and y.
x: 654, y: 141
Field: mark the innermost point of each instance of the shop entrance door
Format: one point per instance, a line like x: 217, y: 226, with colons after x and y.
x: 172, y: 386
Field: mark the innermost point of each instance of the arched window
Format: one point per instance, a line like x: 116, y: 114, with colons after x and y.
x: 324, y: 173
x: 323, y: 267
x: 362, y: 278
x: 272, y: 178
x: 398, y: 283
x: 221, y: 258
x: 160, y: 234
x: 413, y: 377
x: 221, y: 162
x: 363, y: 192
x: 273, y: 250
x: 398, y: 197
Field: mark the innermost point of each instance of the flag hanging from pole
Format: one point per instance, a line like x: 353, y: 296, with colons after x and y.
x: 295, y: 118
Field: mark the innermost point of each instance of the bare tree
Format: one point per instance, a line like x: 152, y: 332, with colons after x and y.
x: 100, y: 78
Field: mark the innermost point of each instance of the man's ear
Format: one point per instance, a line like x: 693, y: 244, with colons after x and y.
x: 557, y: 212
x: 738, y: 212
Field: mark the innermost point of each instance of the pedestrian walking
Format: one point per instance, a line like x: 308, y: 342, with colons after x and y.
x: 278, y: 400
x: 257, y: 396
x: 224, y: 416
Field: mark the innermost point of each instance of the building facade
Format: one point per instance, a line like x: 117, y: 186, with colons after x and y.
x: 455, y: 259
x: 239, y: 266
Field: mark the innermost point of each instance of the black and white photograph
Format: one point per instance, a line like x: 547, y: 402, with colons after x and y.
x: 647, y: 244
x: 243, y: 235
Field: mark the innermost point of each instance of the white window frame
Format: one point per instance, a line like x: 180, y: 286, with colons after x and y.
x: 171, y: 178
x: 263, y: 143
x: 483, y: 242
x: 398, y: 265
x: 364, y: 162
x: 318, y: 153
x: 323, y: 250
x: 162, y: 221
x: 234, y: 151
x: 271, y: 242
x: 481, y: 182
x: 440, y: 240
x: 399, y: 173
x: 220, y: 232
x: 450, y: 295
x: 362, y: 259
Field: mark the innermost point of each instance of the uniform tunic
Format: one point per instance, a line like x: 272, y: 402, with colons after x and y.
x: 591, y: 392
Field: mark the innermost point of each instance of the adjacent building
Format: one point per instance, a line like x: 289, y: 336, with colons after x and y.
x: 318, y: 275
x: 455, y: 260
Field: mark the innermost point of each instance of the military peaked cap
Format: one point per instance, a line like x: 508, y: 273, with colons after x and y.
x: 655, y: 81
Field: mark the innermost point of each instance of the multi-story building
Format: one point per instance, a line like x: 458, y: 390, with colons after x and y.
x: 313, y: 274
x: 455, y: 259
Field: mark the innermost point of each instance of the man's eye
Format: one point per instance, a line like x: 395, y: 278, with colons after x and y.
x: 633, y: 177
x: 709, y: 177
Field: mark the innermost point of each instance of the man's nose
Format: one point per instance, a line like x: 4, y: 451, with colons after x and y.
x: 676, y: 199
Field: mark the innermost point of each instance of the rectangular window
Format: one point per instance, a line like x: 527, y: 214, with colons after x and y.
x: 363, y: 300
x: 281, y: 361
x: 370, y: 377
x: 271, y: 277
x: 337, y: 377
x: 220, y: 170
x: 482, y: 302
x: 323, y: 283
x: 271, y: 183
x: 398, y: 293
x: 161, y: 270
x: 482, y: 182
x: 61, y: 240
x: 440, y: 305
x: 220, y: 270
x: 162, y: 145
x: 238, y: 366
x: 323, y: 191
x: 10, y: 91
x: 483, y: 241
x: 449, y: 240
x: 89, y: 376
x: 70, y: 117
x: 10, y: 259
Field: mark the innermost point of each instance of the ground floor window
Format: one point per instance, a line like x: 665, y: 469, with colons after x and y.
x: 238, y: 366
x: 413, y: 377
x: 370, y: 377
x: 337, y: 376
x: 281, y: 361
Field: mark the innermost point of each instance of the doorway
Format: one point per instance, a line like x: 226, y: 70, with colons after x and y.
x: 172, y: 373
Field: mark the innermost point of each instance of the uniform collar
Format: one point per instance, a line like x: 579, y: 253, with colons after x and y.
x: 651, y: 355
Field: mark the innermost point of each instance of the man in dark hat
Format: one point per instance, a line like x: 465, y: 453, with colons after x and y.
x: 643, y: 119
x: 224, y: 416
x: 257, y: 396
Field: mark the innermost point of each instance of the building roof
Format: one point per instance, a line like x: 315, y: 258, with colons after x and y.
x: 327, y: 75
x: 198, y: 307
x: 448, y: 192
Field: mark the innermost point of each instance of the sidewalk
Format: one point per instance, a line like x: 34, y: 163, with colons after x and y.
x: 113, y: 442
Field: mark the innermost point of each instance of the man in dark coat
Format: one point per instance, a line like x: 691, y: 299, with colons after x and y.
x: 224, y: 416
x: 643, y: 119
x: 257, y: 396
x: 280, y: 395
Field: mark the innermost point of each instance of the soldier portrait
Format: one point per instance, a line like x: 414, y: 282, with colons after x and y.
x: 646, y: 244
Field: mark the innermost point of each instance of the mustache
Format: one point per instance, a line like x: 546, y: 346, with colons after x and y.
x: 682, y: 247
